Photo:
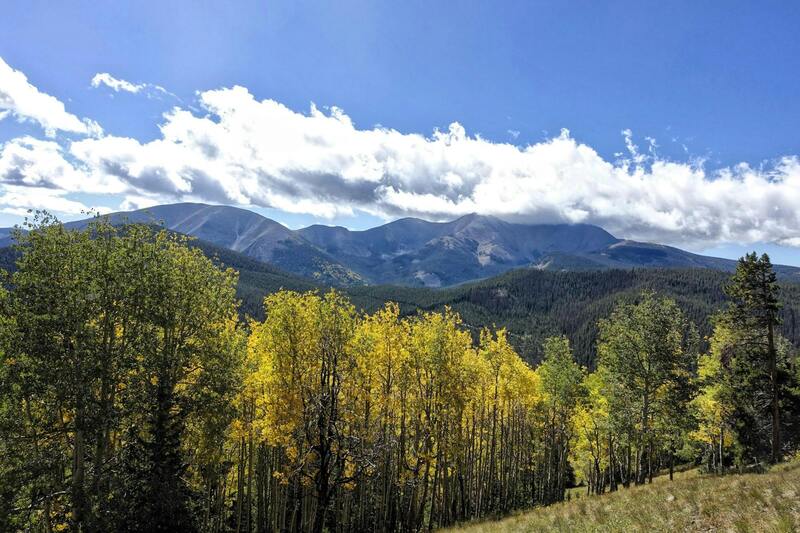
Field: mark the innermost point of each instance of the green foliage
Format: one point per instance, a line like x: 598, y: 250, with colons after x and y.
x: 753, y: 381
x: 134, y: 397
x: 648, y: 351
x: 533, y: 305
x: 114, y: 338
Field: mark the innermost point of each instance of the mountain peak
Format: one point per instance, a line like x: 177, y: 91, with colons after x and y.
x: 477, y: 217
x: 412, y: 251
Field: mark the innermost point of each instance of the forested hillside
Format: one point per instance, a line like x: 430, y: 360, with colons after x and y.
x: 135, y: 397
x: 533, y: 304
x: 530, y: 304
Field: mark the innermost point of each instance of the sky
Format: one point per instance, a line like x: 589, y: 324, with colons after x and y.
x: 672, y: 122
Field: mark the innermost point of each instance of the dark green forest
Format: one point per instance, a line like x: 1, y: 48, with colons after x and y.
x: 535, y: 304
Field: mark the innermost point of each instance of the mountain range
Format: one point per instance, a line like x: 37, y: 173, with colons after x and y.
x: 415, y: 252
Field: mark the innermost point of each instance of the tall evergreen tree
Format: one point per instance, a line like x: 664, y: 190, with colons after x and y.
x: 752, y: 314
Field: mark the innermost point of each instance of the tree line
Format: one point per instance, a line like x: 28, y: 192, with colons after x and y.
x: 134, y: 398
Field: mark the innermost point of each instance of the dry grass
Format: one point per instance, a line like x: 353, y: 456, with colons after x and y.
x: 737, y: 503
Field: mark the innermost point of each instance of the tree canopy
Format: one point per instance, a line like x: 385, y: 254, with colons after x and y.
x: 134, y: 397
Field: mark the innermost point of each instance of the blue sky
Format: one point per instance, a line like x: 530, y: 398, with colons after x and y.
x: 700, y: 86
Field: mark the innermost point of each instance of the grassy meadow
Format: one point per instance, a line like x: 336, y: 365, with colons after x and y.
x: 768, y: 502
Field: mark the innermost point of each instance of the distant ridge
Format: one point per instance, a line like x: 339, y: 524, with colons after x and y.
x: 415, y: 252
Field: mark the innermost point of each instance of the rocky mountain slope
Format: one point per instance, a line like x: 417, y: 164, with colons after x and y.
x: 416, y: 252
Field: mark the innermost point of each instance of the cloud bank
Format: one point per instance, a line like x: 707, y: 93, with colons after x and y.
x: 18, y: 97
x: 240, y: 150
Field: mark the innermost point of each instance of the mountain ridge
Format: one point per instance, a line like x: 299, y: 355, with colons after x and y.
x: 412, y: 251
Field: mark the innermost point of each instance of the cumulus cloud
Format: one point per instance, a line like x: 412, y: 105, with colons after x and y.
x: 42, y: 164
x: 18, y: 97
x: 117, y: 85
x: 19, y: 200
x: 236, y: 149
x: 250, y: 152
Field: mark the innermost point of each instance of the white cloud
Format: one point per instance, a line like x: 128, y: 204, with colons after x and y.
x: 30, y: 162
x: 239, y: 150
x: 117, y: 85
x: 104, y: 78
x: 34, y: 174
x: 18, y: 200
x: 245, y: 151
x: 21, y: 99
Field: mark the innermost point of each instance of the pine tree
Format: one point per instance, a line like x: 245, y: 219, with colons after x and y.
x: 752, y: 315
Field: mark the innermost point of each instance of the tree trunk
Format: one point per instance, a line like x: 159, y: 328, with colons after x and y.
x: 671, y: 463
x: 323, y: 497
x: 78, y: 467
x: 776, y: 411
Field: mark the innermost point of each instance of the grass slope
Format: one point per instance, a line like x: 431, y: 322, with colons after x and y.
x: 740, y: 503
